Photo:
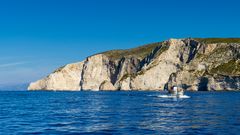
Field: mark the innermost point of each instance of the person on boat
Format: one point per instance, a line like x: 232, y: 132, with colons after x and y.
x: 176, y: 91
x: 173, y: 90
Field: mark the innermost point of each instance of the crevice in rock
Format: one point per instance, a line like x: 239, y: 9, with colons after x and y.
x: 82, y: 74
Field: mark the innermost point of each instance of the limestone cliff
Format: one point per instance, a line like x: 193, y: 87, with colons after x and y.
x: 64, y: 78
x: 195, y: 64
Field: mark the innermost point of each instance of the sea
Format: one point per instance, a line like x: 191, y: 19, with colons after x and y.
x: 121, y: 112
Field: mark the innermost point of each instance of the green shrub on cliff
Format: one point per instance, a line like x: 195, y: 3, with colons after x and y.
x: 218, y: 40
x: 139, y: 52
x: 230, y: 68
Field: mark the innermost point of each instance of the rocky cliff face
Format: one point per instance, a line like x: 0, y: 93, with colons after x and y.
x: 64, y: 78
x: 195, y: 64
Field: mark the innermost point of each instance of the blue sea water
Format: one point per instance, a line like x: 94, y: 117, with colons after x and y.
x: 120, y: 112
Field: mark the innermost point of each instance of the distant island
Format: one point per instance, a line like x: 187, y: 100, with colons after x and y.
x: 197, y: 64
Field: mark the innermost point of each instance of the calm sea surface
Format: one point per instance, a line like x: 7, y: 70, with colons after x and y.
x: 118, y: 113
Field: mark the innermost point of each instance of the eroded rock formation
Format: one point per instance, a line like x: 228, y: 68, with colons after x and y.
x: 195, y: 64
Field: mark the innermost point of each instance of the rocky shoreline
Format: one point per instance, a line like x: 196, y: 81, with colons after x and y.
x: 195, y: 64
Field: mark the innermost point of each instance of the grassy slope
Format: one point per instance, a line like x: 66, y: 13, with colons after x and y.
x: 143, y: 51
x: 218, y: 40
x: 139, y: 52
x: 230, y: 68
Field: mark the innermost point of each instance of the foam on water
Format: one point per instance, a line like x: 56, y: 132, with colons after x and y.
x: 171, y: 96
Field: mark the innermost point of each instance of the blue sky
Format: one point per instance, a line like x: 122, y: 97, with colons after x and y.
x: 37, y: 36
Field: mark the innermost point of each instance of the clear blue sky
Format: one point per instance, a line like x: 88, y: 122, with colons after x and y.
x: 37, y: 36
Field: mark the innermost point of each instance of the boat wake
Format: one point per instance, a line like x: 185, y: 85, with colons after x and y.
x: 173, y: 96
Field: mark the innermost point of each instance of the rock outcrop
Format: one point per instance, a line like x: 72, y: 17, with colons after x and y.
x: 195, y: 64
x: 64, y: 78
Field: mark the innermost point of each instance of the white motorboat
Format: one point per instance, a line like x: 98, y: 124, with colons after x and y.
x: 175, y: 92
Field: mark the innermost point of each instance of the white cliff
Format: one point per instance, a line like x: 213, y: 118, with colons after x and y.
x: 194, y: 64
x: 65, y: 78
x: 95, y: 72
